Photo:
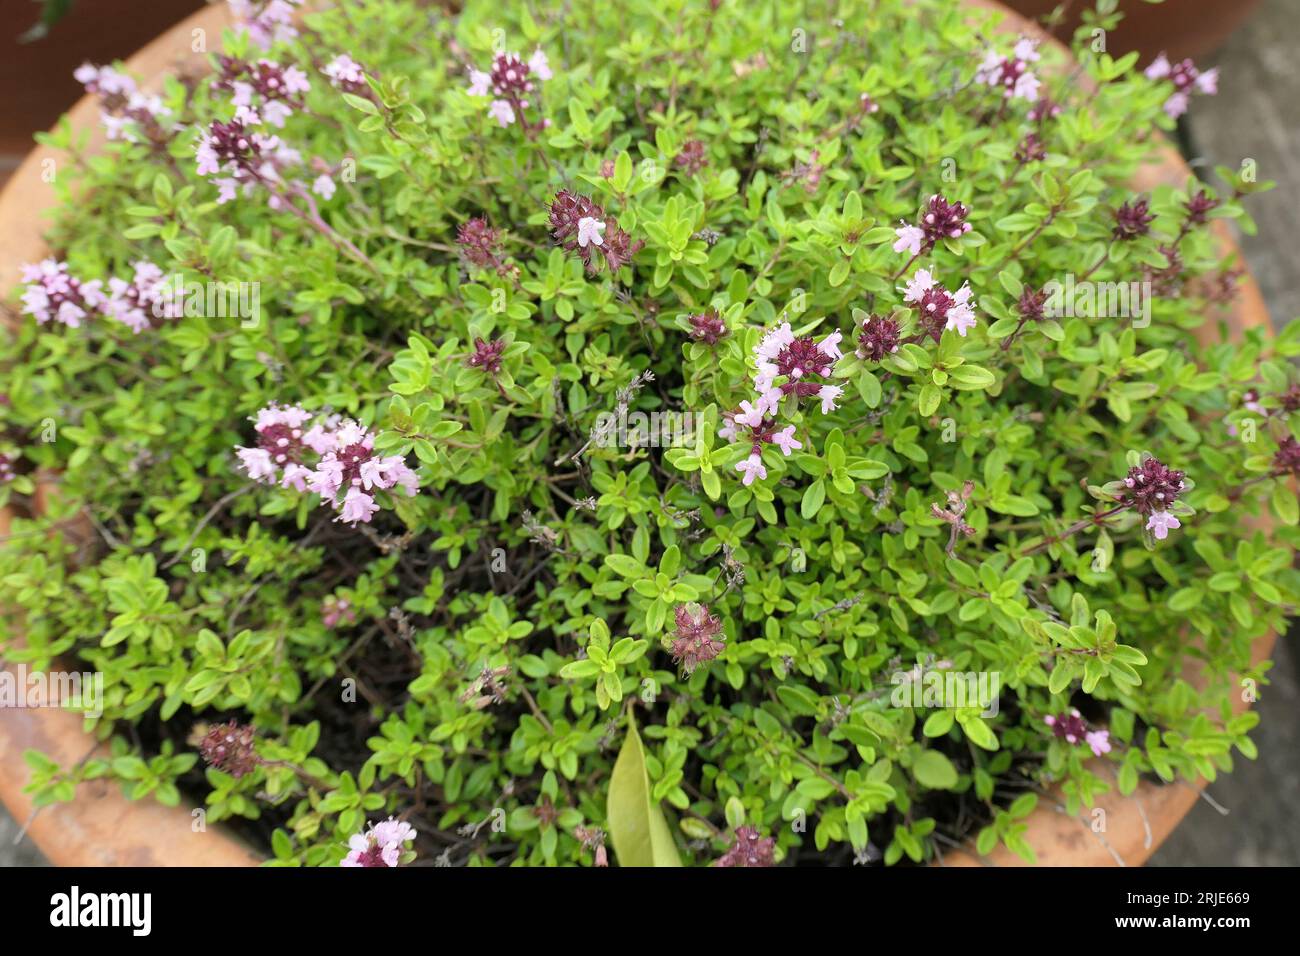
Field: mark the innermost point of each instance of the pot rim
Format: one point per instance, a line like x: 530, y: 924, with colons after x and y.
x: 101, y: 827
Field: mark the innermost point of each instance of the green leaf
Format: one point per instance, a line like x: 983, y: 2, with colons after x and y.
x: 932, y: 769
x: 637, y: 828
x: 813, y: 497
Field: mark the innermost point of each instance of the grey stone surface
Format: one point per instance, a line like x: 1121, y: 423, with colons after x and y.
x: 1255, y: 116
x: 14, y: 852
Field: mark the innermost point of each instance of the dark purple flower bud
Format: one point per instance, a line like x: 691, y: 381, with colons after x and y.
x: 1287, y: 458
x: 1152, y: 486
x: 1044, y: 108
x: 1199, y: 207
x: 750, y: 849
x: 1133, y: 220
x: 879, y: 337
x: 708, y: 327
x: 941, y: 219
x: 697, y: 639
x: 480, y: 243
x: 1069, y: 727
x: 1290, y: 399
x: 487, y: 355
x: 229, y: 748
x: 692, y: 158
x: 1032, y: 304
x: 1031, y: 150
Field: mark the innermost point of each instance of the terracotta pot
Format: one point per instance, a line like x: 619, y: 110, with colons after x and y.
x: 102, y: 827
x: 1182, y: 28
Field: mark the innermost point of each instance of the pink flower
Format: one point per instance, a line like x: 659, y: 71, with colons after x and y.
x: 357, y: 506
x: 1011, y: 73
x: 381, y: 846
x: 326, y: 479
x: 752, y: 468
x: 266, y: 23
x: 785, y: 440
x: 1186, y: 79
x: 590, y: 231
x: 829, y: 395
x: 480, y: 82
x: 540, y: 66
x: 346, y: 74
x: 257, y: 463
x: 54, y: 294
x: 502, y: 112
x: 1160, y: 523
x: 909, y: 239
x: 323, y: 186
x: 138, y: 303
x: 1099, y: 741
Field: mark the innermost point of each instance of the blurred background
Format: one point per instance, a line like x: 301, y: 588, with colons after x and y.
x: 1247, y: 818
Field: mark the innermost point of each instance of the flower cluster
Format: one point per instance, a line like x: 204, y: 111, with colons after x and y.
x: 480, y: 244
x: 347, y: 471
x: 1133, y: 220
x: 937, y: 308
x: 263, y: 91
x: 126, y: 112
x: 878, y: 338
x: 1186, y: 79
x: 1287, y: 458
x: 1030, y: 150
x: 53, y: 293
x: 707, y: 327
x: 510, y: 82
x: 939, y: 220
x: 698, y: 637
x: 6, y: 467
x: 348, y: 75
x: 487, y: 356
x: 1012, y: 73
x: 1151, y: 490
x: 140, y: 303
x: 786, y: 365
x: 381, y: 845
x: 692, y: 158
x: 579, y: 225
x: 1071, y: 728
x: 1044, y: 108
x: 804, y: 365
x: 760, y: 429
x: 749, y: 849
x: 267, y: 22
x: 229, y: 748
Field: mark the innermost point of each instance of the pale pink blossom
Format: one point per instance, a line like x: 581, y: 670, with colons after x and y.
x: 501, y: 111
x: 909, y: 239
x: 752, y: 468
x: 590, y: 231
x: 1160, y: 523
